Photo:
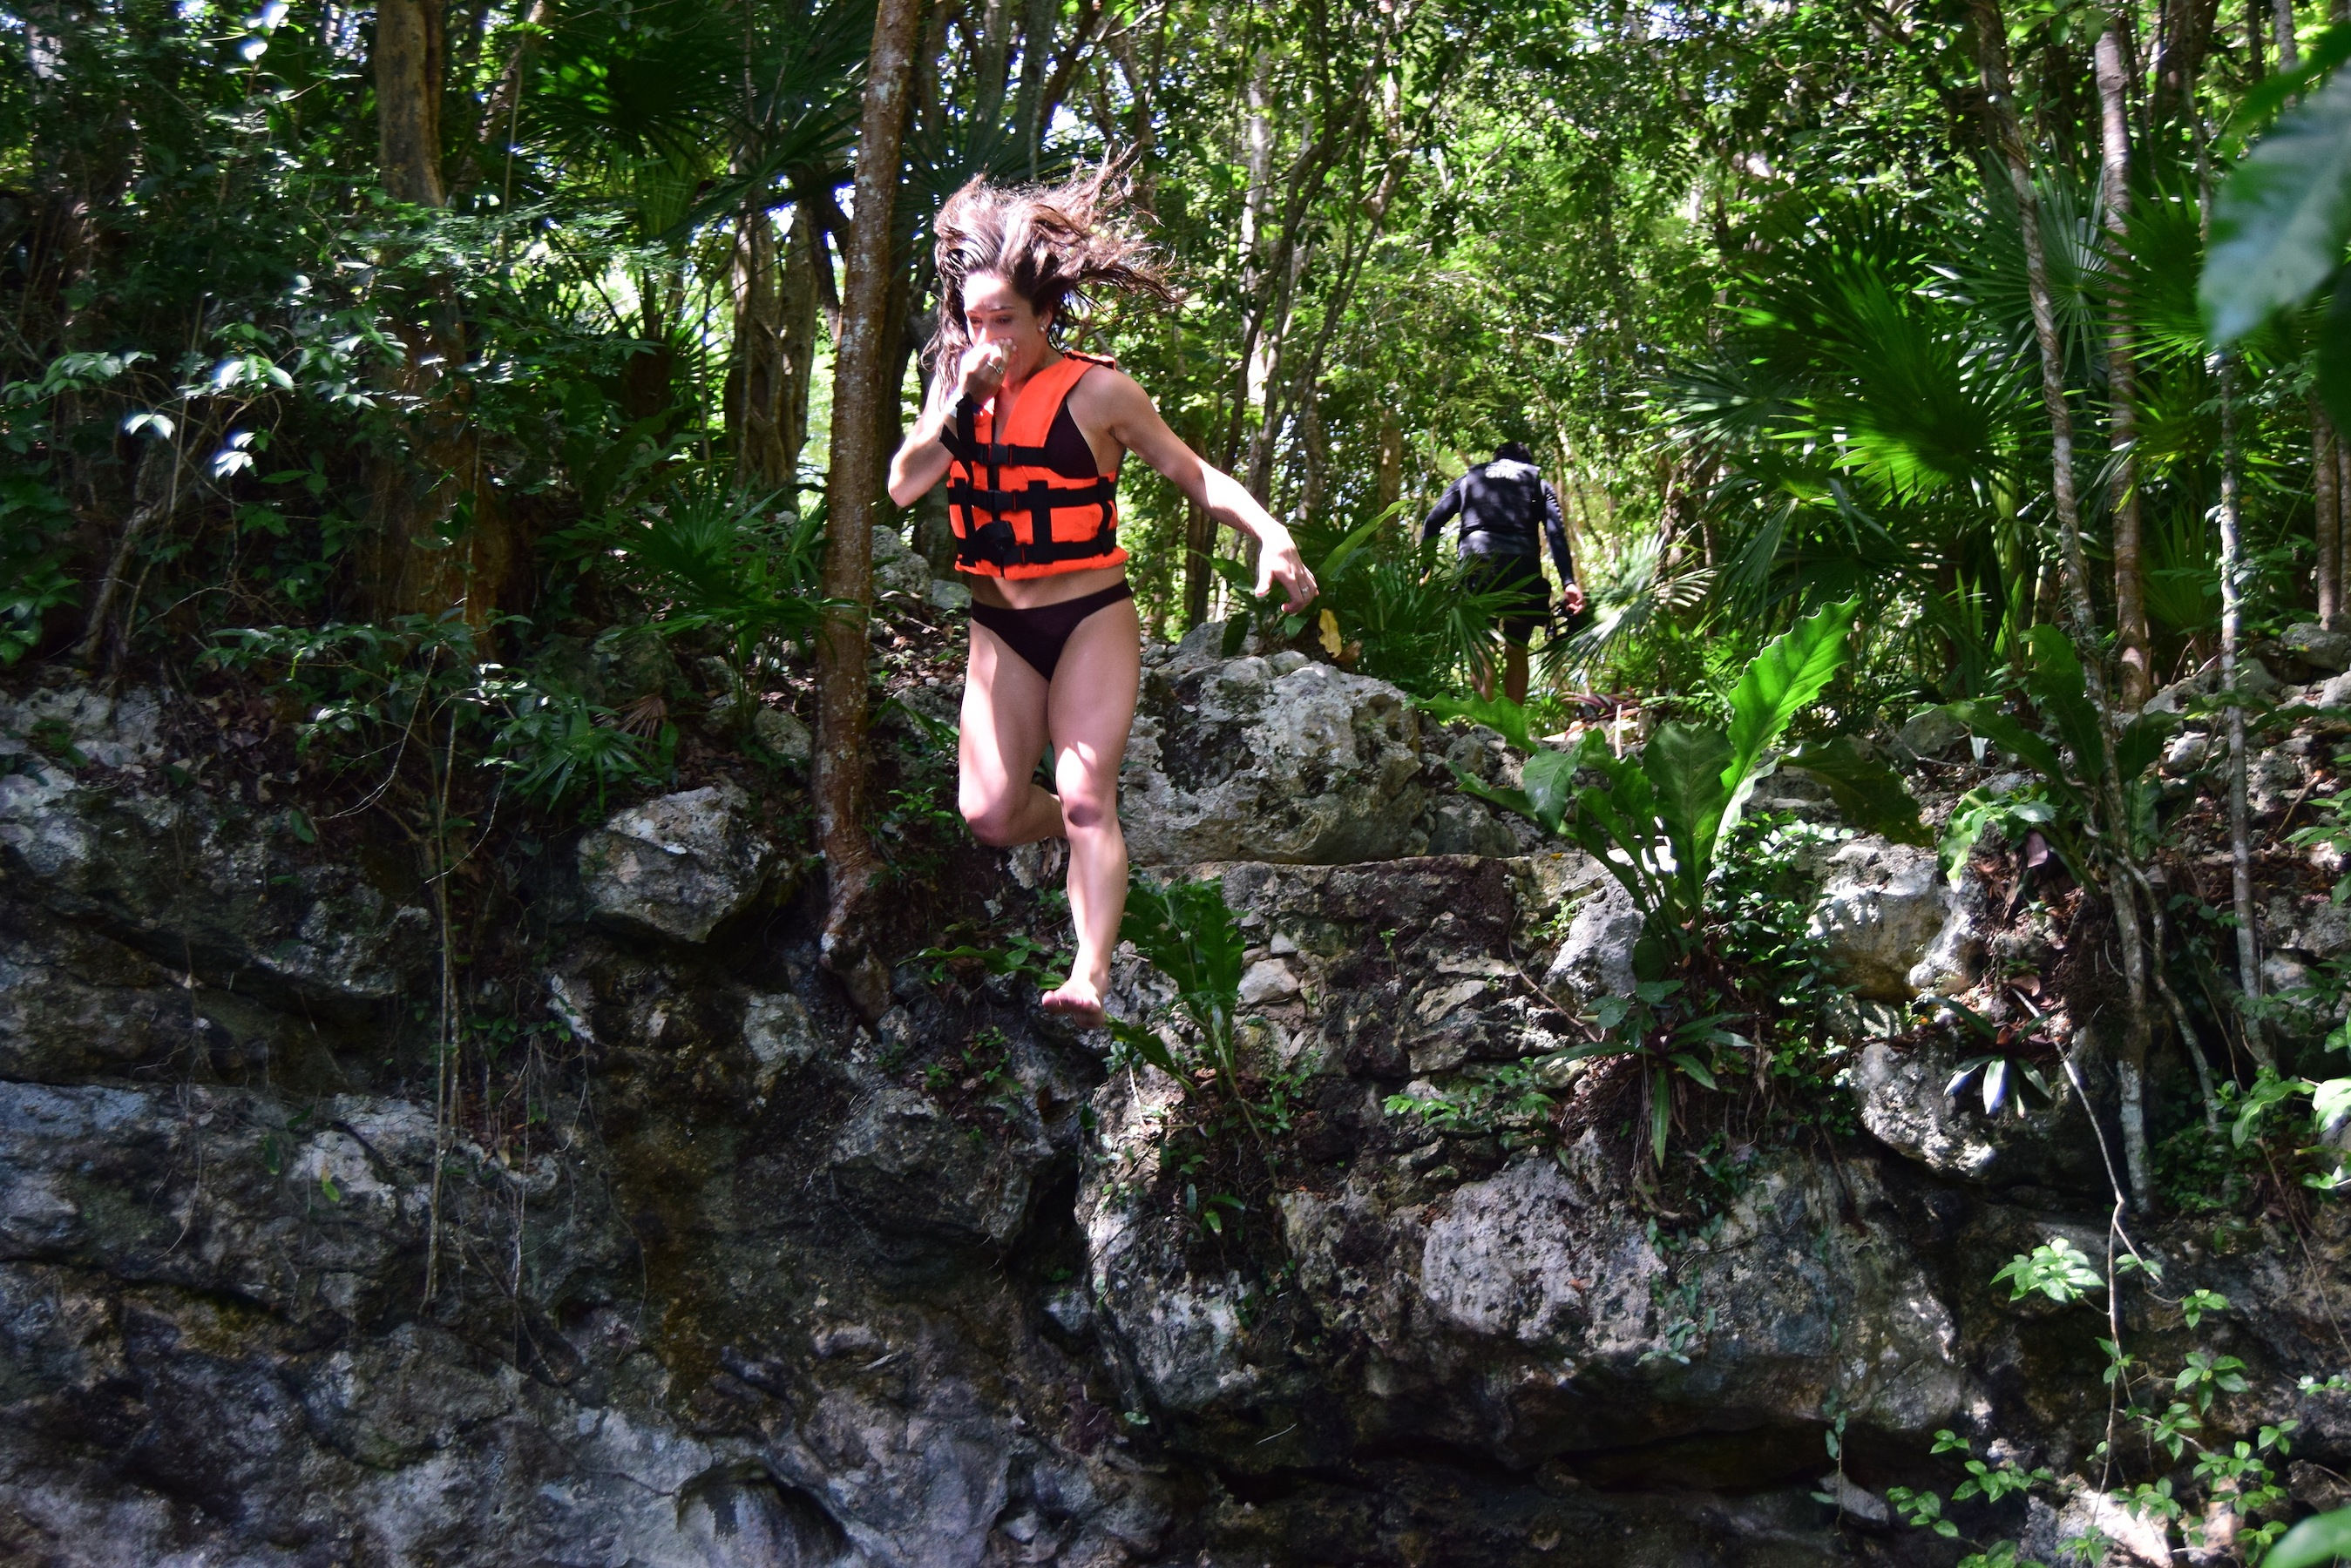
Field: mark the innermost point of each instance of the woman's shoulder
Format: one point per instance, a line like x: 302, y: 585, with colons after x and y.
x: 1106, y: 391
x: 1104, y: 385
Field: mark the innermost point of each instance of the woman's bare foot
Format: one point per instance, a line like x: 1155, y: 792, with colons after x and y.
x: 1078, y: 998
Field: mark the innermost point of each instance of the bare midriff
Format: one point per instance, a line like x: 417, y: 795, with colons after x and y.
x: 1028, y: 593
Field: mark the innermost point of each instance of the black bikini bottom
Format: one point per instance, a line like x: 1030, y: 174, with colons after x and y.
x: 1038, y: 634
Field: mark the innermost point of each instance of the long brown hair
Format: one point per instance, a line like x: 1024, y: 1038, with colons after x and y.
x: 1056, y: 245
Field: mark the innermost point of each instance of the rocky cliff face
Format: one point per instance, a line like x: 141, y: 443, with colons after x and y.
x: 771, y: 1285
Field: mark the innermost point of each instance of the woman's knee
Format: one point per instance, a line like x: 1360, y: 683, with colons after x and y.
x: 992, y: 818
x: 1087, y: 802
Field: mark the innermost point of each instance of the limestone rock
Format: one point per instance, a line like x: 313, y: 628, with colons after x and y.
x: 1269, y: 980
x: 776, y: 1029
x: 2184, y: 752
x: 781, y: 731
x: 2254, y: 680
x: 209, y: 886
x: 1277, y: 758
x: 2324, y: 651
x: 946, y: 594
x: 1463, y: 826
x: 1530, y: 1313
x: 1880, y: 908
x: 1900, y: 1092
x: 678, y: 865
x: 2322, y: 928
x: 897, y: 568
x: 1596, y: 960
x: 1929, y: 734
x: 905, y: 1166
x: 122, y: 732
x: 1953, y: 960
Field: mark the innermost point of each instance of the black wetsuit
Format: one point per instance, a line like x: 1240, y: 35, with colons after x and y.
x: 1502, y: 504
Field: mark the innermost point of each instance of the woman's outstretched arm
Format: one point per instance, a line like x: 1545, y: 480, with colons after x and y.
x: 1128, y: 414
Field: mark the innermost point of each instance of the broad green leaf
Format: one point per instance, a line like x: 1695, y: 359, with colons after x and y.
x: 2140, y: 744
x: 1186, y: 931
x: 1147, y: 1044
x: 1661, y: 1112
x: 1868, y: 793
x: 1336, y: 561
x: 1551, y: 785
x: 1499, y: 714
x: 1516, y: 800
x: 2055, y: 679
x: 1688, y: 768
x: 2332, y: 351
x: 1694, y: 1068
x: 2330, y: 1104
x: 2315, y: 1542
x: 1783, y: 679
x: 2280, y: 222
x: 2034, y: 750
x: 1598, y: 830
x: 1615, y: 823
x: 2268, y: 94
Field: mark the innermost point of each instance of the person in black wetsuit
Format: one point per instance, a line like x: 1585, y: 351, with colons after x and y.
x: 1502, y: 504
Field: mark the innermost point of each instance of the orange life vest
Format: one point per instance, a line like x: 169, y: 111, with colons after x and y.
x: 1030, y: 502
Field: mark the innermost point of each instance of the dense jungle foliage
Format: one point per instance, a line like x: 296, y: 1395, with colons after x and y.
x: 440, y: 368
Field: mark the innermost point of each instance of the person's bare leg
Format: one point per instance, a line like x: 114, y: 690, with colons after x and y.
x: 1001, y: 737
x: 1088, y: 711
x: 1514, y: 672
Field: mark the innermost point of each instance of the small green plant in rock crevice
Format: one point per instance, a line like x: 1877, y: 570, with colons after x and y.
x: 2171, y: 1414
x: 1198, y: 1038
x: 1188, y: 932
x: 1656, y: 822
x: 1511, y: 1103
x: 711, y: 558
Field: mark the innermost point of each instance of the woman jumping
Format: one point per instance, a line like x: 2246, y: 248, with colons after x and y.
x: 1029, y: 436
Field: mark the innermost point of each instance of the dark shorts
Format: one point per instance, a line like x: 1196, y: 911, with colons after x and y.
x: 1531, y: 605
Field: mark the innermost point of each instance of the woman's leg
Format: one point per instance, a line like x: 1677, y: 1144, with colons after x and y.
x: 1002, y: 736
x: 1089, y: 709
x: 1514, y: 672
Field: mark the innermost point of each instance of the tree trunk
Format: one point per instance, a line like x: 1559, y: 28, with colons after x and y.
x: 1072, y: 59
x: 2289, y: 53
x: 987, y: 65
x: 804, y: 255
x: 1265, y: 393
x: 1035, y: 57
x: 493, y: 137
x: 409, y: 67
x: 754, y: 388
x: 2134, y: 654
x: 853, y: 491
x: 1199, y: 548
x: 2187, y: 36
x: 2326, y: 505
x: 2342, y: 514
x: 2232, y: 626
x: 2008, y: 141
x: 425, y: 558
x: 1391, y: 457
x: 2233, y: 620
x: 775, y: 326
x: 1257, y: 136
